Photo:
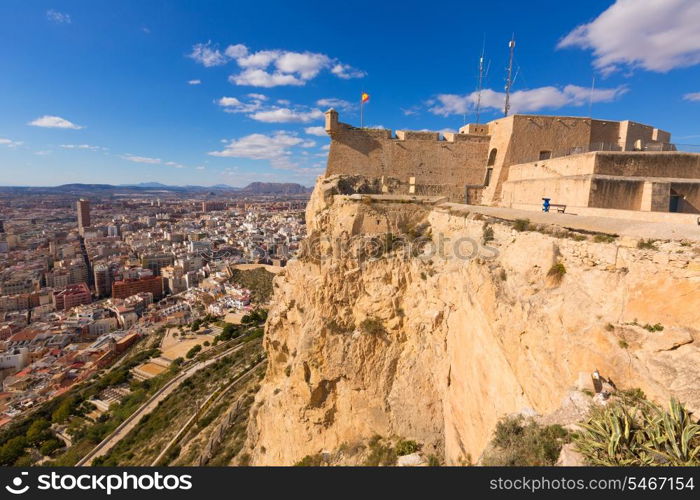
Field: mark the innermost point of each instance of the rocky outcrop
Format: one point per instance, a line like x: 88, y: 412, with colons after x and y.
x: 407, y: 318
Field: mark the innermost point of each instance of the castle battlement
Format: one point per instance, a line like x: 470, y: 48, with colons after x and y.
x: 520, y: 159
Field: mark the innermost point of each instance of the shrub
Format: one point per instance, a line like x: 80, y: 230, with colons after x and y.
x: 658, y: 327
x: 604, y: 238
x: 487, y: 233
x: 404, y: 447
x: 372, y: 326
x: 380, y: 453
x: 310, y: 461
x: 557, y: 272
x: 523, y: 442
x: 521, y: 224
x: 193, y: 352
x: 646, y: 244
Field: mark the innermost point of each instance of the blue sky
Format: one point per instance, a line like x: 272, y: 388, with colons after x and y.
x: 207, y: 92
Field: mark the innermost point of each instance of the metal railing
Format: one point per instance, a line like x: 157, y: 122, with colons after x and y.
x: 596, y: 146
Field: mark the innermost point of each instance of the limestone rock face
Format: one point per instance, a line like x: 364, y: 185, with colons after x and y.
x: 437, y: 337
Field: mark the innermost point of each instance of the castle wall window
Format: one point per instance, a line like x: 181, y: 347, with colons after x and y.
x: 492, y: 157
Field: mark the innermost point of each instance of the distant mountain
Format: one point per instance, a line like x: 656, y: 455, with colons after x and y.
x: 146, y: 185
x: 253, y: 188
x: 275, y: 188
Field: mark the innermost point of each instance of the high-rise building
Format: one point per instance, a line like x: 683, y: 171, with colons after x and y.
x: 83, y: 213
x: 2, y: 226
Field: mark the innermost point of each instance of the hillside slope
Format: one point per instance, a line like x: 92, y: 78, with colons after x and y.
x: 366, y: 340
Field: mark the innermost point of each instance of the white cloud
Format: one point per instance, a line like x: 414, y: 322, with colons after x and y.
x: 347, y: 72
x: 276, y: 148
x: 194, y: 82
x: 693, y: 96
x: 656, y: 35
x: 524, y: 100
x: 10, y: 143
x: 256, y: 109
x: 261, y: 78
x: 44, y: 152
x: 306, y: 64
x: 235, y: 105
x: 236, y: 51
x: 82, y: 146
x: 58, y: 17
x: 272, y: 68
x: 200, y: 167
x: 208, y: 55
x: 338, y: 104
x: 49, y: 121
x: 287, y: 115
x: 319, y: 131
x: 142, y: 159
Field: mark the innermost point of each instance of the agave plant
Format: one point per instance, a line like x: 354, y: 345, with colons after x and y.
x: 672, y: 436
x: 638, y: 432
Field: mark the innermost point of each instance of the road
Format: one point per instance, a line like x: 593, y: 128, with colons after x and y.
x: 213, y: 399
x: 127, y: 425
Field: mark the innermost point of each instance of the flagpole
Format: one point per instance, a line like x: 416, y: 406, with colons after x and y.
x: 362, y: 105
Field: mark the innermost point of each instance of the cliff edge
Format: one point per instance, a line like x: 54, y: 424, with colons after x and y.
x: 411, y: 317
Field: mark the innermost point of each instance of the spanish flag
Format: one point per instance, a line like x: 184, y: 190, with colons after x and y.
x: 365, y: 97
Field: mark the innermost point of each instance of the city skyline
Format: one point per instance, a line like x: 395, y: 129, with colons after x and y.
x: 218, y: 94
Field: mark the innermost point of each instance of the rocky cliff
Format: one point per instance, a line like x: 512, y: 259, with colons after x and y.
x: 423, y: 320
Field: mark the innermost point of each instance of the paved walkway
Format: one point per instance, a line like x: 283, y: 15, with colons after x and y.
x: 608, y: 225
x: 127, y: 425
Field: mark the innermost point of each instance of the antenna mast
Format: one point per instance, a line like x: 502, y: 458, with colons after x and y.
x: 509, y: 81
x: 479, y: 88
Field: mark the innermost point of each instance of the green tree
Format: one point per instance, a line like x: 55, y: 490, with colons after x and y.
x: 193, y: 352
x: 12, y: 450
x: 37, y: 431
x: 49, y: 446
x: 63, y: 411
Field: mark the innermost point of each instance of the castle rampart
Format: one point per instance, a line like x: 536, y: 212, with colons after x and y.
x: 520, y: 159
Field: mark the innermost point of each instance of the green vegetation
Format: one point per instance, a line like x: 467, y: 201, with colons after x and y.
x: 557, y: 272
x: 632, y: 431
x: 521, y: 225
x: 310, y: 461
x: 256, y: 316
x: 193, y: 352
x: 658, y: 327
x: 372, y: 326
x: 604, y: 238
x: 487, y: 233
x: 380, y: 453
x: 521, y: 442
x: 258, y: 281
x: 155, y: 430
x: 404, y: 447
x: 646, y: 244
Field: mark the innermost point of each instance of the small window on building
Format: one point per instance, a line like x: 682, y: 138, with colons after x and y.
x: 487, y: 181
x: 545, y: 155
